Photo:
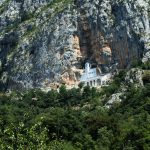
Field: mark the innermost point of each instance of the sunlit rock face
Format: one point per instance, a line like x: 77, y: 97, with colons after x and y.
x: 45, y: 43
x: 114, y: 28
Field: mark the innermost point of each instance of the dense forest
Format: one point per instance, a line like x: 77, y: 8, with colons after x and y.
x: 76, y: 119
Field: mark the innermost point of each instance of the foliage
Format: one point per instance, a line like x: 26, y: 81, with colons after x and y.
x: 146, y: 77
x: 146, y: 65
x: 115, y: 85
x: 75, y: 119
x: 4, y: 6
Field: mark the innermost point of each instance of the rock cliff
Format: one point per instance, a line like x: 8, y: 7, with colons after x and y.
x: 44, y: 43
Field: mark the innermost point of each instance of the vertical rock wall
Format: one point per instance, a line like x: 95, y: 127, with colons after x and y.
x: 46, y: 43
x: 118, y: 28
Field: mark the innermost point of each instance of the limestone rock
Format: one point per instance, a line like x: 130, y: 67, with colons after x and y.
x: 134, y: 76
x: 146, y: 57
x: 40, y: 40
x: 114, y: 98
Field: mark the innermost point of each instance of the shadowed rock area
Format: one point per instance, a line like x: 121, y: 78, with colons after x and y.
x: 45, y: 43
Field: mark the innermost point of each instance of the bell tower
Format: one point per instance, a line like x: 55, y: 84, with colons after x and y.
x: 87, y: 68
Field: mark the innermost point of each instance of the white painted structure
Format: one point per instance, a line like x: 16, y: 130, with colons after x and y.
x: 93, y: 77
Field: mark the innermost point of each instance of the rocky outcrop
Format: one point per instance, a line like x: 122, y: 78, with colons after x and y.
x: 46, y: 43
x: 134, y: 76
x: 122, y: 26
x: 38, y: 46
x: 146, y: 57
x: 115, y: 98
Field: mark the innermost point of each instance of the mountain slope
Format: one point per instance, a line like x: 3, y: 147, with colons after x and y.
x: 44, y: 43
x: 77, y: 119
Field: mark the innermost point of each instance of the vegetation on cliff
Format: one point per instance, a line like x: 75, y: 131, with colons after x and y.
x: 76, y: 119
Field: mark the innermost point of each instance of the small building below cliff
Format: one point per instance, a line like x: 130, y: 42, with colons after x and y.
x: 94, y: 77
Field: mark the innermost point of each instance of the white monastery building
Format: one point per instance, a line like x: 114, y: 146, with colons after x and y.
x: 93, y: 76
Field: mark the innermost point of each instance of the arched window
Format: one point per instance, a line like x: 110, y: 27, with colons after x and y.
x: 90, y: 83
x: 98, y: 82
x: 94, y: 83
x: 103, y: 82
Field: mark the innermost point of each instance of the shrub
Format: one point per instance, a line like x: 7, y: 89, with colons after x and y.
x: 146, y: 77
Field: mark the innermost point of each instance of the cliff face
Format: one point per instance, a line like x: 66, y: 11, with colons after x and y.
x: 45, y: 42
x: 122, y: 27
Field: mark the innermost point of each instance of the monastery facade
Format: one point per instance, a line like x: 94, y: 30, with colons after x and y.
x: 93, y: 77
